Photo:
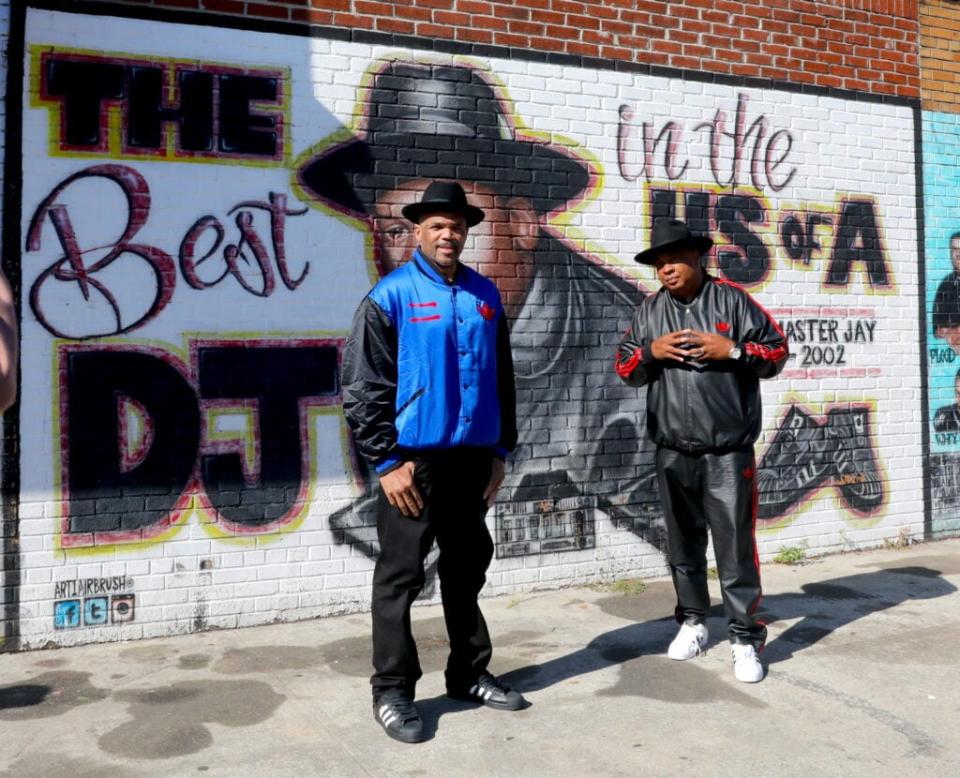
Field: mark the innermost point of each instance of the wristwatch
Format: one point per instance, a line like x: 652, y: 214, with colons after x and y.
x: 734, y: 352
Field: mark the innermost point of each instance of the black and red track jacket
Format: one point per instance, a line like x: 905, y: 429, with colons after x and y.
x: 710, y: 406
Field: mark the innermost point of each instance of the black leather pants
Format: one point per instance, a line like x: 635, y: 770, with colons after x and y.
x: 716, y: 491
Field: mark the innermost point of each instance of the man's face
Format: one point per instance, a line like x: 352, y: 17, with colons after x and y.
x: 680, y: 272
x: 951, y: 335
x: 441, y: 237
x: 500, y: 247
x: 955, y: 253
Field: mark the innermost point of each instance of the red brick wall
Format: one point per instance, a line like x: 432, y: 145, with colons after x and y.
x: 865, y: 45
x: 940, y: 55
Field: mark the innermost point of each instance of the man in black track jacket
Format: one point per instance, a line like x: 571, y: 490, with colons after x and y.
x: 701, y: 345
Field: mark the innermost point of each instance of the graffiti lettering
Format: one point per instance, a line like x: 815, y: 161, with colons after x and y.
x: 206, y: 108
x: 857, y: 240
x: 799, y: 237
x: 671, y: 131
x: 78, y: 587
x: 822, y: 330
x: 828, y: 330
x: 822, y: 355
x: 765, y: 158
x: 742, y: 221
x: 859, y: 331
x: 747, y: 259
x: 277, y: 378
x: 941, y: 355
x: 104, y: 497
x: 70, y: 266
x: 234, y: 252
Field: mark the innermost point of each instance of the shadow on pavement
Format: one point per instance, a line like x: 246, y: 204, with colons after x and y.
x: 826, y: 606
x: 822, y: 607
x: 22, y: 696
x: 433, y: 708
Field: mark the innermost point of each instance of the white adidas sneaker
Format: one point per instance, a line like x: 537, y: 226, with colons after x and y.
x: 689, y: 642
x: 746, y: 663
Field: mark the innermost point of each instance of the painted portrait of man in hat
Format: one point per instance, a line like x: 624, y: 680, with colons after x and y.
x: 946, y: 302
x: 578, y: 431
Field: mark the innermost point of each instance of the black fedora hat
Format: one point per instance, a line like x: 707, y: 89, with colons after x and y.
x: 430, y: 121
x: 445, y: 196
x: 671, y: 235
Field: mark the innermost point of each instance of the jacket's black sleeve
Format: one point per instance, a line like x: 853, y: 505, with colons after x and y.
x: 506, y: 391
x: 762, y: 341
x: 369, y: 383
x: 634, y: 360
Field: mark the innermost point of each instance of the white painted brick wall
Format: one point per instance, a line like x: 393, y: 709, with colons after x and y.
x: 840, y: 147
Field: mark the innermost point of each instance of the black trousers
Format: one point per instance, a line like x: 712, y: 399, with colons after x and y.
x: 452, y: 484
x: 716, y: 491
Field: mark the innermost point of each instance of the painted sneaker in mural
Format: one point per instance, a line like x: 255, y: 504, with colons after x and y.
x: 793, y: 465
x: 857, y: 475
x: 490, y: 692
x: 746, y: 663
x: 689, y: 642
x: 398, y: 716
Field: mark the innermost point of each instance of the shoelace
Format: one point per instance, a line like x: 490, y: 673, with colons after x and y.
x: 488, y: 683
x: 403, y: 709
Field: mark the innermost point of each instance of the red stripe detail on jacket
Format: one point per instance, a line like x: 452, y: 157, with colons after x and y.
x: 765, y: 352
x: 625, y: 368
x: 423, y: 305
x: 426, y: 318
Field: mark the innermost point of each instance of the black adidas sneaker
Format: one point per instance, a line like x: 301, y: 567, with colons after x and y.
x: 398, y: 716
x: 488, y: 691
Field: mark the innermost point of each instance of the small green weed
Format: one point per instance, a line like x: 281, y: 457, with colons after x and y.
x: 625, y: 587
x: 791, y: 555
x: 902, y: 540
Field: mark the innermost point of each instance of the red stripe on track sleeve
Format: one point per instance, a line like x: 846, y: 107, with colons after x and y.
x: 625, y: 368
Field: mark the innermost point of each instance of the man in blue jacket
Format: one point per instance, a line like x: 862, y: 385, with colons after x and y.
x: 428, y: 391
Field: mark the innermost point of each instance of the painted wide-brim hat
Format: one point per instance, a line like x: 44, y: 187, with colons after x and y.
x: 672, y: 235
x: 439, y: 122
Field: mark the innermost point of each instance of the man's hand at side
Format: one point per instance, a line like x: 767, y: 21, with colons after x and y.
x: 401, y: 491
x: 497, y: 472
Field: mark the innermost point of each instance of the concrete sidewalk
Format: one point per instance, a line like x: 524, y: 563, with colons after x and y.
x: 864, y: 679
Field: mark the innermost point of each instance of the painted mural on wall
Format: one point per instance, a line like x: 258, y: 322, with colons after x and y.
x: 421, y: 121
x: 198, y: 231
x: 941, y: 139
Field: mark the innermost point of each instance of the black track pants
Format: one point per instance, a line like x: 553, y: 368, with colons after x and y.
x: 452, y: 486
x: 716, y: 491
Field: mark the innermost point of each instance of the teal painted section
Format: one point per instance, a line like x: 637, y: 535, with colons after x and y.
x: 941, y: 195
